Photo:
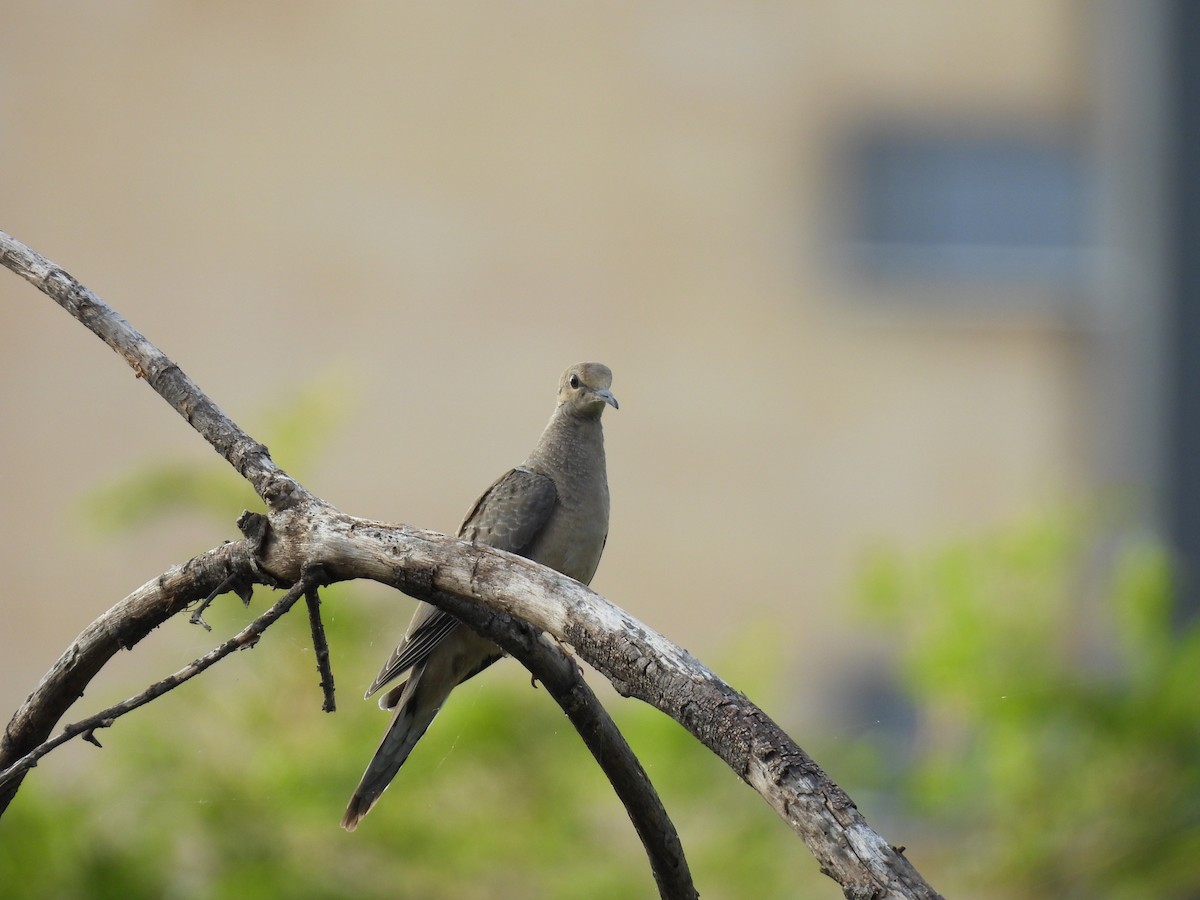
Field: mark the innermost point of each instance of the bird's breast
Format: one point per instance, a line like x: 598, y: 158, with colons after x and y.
x: 574, y: 537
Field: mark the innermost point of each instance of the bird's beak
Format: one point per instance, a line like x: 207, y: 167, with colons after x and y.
x: 607, y: 396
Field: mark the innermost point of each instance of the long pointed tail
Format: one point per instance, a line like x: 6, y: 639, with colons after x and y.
x: 417, y: 707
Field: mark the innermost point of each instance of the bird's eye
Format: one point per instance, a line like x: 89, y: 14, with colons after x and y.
x: 574, y: 382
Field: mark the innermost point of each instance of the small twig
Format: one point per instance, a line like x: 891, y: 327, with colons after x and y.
x: 253, y: 526
x: 197, y: 616
x: 247, y: 637
x: 320, y: 644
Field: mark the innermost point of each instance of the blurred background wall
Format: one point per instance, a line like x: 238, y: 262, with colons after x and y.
x: 865, y: 273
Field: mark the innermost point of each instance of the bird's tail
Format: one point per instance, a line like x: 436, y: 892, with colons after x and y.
x: 417, y: 707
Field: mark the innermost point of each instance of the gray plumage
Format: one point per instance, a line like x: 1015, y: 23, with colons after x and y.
x: 553, y: 509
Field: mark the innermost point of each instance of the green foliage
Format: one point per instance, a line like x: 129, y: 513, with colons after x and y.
x: 1065, y: 754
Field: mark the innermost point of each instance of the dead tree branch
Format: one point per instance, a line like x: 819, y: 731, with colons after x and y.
x: 303, y: 532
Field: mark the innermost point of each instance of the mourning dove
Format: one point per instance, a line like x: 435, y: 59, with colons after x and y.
x: 553, y: 509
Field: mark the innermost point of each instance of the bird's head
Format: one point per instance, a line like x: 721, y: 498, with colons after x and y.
x: 584, y: 389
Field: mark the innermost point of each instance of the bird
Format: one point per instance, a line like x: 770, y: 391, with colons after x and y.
x: 553, y: 509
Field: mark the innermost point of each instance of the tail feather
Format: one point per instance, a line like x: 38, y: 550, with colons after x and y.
x: 391, y: 699
x: 459, y: 656
x: 414, y: 713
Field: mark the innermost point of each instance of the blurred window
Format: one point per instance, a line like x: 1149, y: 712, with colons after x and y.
x: 983, y: 208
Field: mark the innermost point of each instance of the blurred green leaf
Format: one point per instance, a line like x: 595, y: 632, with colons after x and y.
x: 1066, y: 755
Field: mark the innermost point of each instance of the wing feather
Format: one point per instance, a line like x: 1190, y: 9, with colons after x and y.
x: 509, y: 515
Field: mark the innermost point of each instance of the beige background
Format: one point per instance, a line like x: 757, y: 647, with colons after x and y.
x: 444, y: 205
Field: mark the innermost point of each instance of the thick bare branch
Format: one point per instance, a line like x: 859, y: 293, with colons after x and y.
x: 282, y: 494
x: 305, y: 532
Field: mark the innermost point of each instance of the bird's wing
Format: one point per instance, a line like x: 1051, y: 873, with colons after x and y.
x: 509, y: 515
x: 512, y: 512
